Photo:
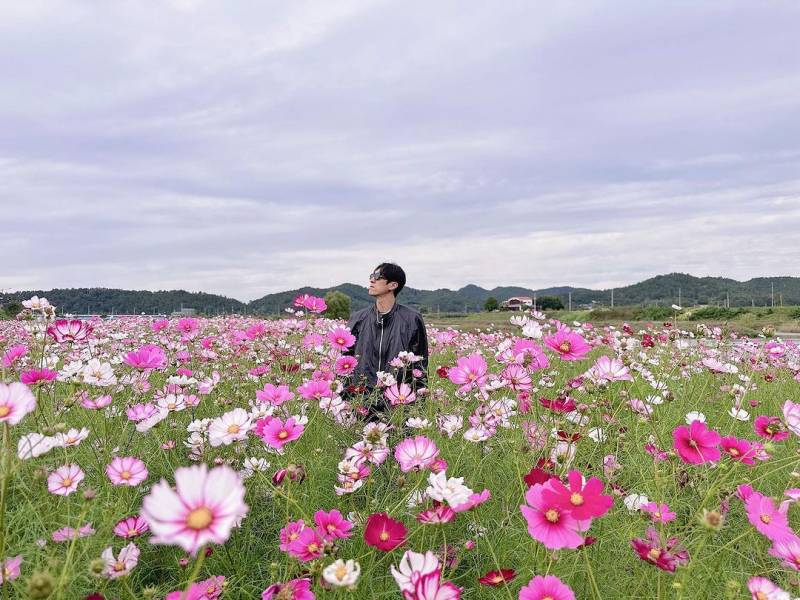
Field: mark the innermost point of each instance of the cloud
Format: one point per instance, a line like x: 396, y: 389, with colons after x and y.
x: 251, y: 148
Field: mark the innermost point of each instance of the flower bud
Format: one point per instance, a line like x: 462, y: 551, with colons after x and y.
x: 96, y: 567
x: 712, y: 519
x: 40, y: 585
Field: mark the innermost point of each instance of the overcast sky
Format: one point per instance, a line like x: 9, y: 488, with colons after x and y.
x: 244, y: 148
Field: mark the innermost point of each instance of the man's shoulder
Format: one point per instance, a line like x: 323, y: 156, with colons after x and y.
x: 360, y: 314
x: 408, y: 312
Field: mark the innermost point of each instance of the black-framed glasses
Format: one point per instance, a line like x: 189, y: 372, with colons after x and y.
x: 376, y: 276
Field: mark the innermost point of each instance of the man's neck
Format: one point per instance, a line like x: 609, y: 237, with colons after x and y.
x: 384, y: 303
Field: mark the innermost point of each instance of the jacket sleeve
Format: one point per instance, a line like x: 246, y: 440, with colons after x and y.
x: 353, y: 326
x: 419, y: 346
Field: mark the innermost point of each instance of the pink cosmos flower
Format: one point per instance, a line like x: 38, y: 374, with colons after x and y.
x: 123, y: 564
x: 546, y: 587
x: 763, y: 589
x: 431, y: 587
x: 660, y: 513
x: 413, y: 565
x: 9, y: 568
x: 148, y: 356
x: 517, y: 377
x: 274, y: 395
x: 140, y: 412
x: 568, y: 344
x: 290, y: 533
x: 473, y: 501
x: 528, y: 353
x: 16, y: 401
x: 791, y: 414
x: 738, y: 449
x: 416, y: 453
x: 608, y: 370
x: 126, y: 470
x: 345, y: 365
x: 696, y: 443
x: 436, y: 516
x: 188, y: 326
x: 34, y: 376
x: 209, y: 589
x: 72, y: 330
x: 787, y: 550
x: 666, y: 557
x: 66, y: 534
x: 131, y: 527
x: 307, y: 546
x: 383, y: 532
x: 469, y: 372
x: 204, y: 507
x: 12, y: 354
x: 296, y: 589
x: 770, y: 428
x: 275, y: 433
x: 548, y: 523
x: 64, y: 480
x: 316, y: 389
x: 768, y: 520
x: 96, y: 403
x: 332, y: 525
x: 399, y: 393
x: 582, y: 502
x: 341, y: 338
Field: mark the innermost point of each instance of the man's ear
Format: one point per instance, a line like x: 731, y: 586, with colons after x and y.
x: 392, y: 283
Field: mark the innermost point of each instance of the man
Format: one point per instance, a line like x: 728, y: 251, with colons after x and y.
x: 382, y: 332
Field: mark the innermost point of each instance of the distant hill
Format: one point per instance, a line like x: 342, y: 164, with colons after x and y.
x: 662, y: 290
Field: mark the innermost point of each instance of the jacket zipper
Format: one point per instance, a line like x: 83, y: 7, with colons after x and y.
x: 380, y: 347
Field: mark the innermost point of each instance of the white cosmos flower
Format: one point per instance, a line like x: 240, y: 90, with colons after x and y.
x: 635, y: 502
x: 695, y: 416
x: 230, y: 427
x: 341, y: 573
x: 418, y: 423
x: 73, y: 437
x: 97, y: 373
x: 413, y: 562
x: 34, y: 444
x: 597, y: 434
x: 453, y: 491
x: 739, y: 414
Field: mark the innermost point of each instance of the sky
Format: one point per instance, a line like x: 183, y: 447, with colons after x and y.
x: 245, y: 148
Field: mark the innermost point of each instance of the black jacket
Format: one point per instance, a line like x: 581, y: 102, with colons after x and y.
x: 380, y: 338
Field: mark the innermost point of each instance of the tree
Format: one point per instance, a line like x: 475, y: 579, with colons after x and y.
x: 338, y: 305
x: 550, y: 303
x: 491, y: 304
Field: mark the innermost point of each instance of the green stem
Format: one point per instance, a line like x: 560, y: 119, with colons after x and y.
x: 6, y: 467
x: 195, y: 572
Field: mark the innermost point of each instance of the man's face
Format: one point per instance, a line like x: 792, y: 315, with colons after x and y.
x: 378, y: 286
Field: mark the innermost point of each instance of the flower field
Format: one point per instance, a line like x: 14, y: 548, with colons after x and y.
x: 232, y: 457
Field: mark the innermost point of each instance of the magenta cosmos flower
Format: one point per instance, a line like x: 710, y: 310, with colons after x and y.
x: 344, y: 365
x: 568, y: 344
x: 469, y: 372
x: 275, y: 395
x: 12, y: 354
x: 72, y: 330
x: 739, y: 450
x: 148, y: 356
x: 770, y: 428
x: 696, y: 443
x: 34, y: 376
x: 787, y: 550
x: 204, y: 507
x: 660, y: 513
x: 16, y: 401
x: 548, y: 522
x: 384, y: 533
x: 582, y: 502
x: 296, y: 589
x: 275, y: 433
x: 64, y: 480
x: 332, y: 525
x: 543, y: 587
x: 131, y: 527
x: 126, y: 470
x: 416, y: 453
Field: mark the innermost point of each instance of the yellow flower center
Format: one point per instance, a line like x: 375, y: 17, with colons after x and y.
x: 283, y: 435
x: 331, y: 527
x: 654, y: 554
x: 125, y: 475
x: 384, y: 536
x: 119, y: 566
x: 565, y: 347
x: 170, y: 405
x: 132, y: 532
x: 199, y: 518
x: 341, y: 572
x: 765, y: 519
x: 4, y: 410
x: 66, y: 482
x: 552, y: 515
x: 233, y: 428
x: 733, y: 452
x: 576, y: 499
x: 313, y: 547
x: 761, y: 596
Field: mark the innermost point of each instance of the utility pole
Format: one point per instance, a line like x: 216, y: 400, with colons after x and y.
x: 679, y: 297
x: 570, y: 300
x: 772, y: 294
x: 534, y: 302
x: 612, y: 297
x: 781, y: 297
x: 727, y: 300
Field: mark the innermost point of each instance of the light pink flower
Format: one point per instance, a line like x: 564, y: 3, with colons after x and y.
x: 548, y: 523
x: 607, y: 370
x: 399, y: 393
x: 131, y: 527
x: 148, y: 356
x: 660, y: 513
x: 276, y: 433
x: 126, y: 470
x: 416, y: 453
x: 791, y: 414
x: 66, y: 534
x: 469, y: 372
x: 203, y: 508
x: 72, y: 330
x: 345, y: 365
x: 9, y: 568
x: 123, y: 564
x: 763, y: 589
x: 64, y: 480
x: 766, y: 518
x: 96, y: 403
x: 275, y: 395
x: 341, y: 338
x: 788, y: 550
x: 547, y: 587
x: 16, y: 401
x: 12, y: 354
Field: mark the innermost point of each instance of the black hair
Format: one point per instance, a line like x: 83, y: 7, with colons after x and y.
x: 395, y: 273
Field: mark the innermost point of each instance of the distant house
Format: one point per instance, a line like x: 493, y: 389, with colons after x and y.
x: 517, y: 303
x: 184, y: 312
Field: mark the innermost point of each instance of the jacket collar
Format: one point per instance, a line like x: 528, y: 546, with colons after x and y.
x: 387, y: 317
